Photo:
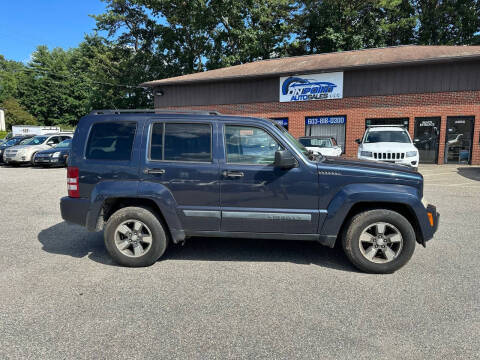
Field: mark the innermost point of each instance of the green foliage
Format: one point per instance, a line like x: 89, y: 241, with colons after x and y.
x: 15, y: 114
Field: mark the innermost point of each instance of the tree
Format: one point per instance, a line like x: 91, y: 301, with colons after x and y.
x: 15, y: 114
x: 10, y: 74
x: 448, y: 22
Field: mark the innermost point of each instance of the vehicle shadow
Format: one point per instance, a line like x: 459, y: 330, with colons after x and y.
x: 75, y: 241
x: 472, y: 173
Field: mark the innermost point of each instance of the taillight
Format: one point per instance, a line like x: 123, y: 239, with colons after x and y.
x: 72, y: 182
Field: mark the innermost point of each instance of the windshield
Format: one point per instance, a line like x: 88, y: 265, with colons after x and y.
x: 387, y: 136
x: 37, y: 140
x: 64, y: 144
x: 294, y: 141
x: 312, y: 142
x: 12, y: 142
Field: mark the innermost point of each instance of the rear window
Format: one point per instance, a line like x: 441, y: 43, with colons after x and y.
x: 111, y: 141
x: 181, y: 142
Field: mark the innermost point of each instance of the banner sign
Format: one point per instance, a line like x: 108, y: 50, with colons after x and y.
x: 325, y: 120
x: 311, y: 87
x: 281, y: 121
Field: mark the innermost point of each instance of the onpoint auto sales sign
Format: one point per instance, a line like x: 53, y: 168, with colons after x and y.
x: 311, y: 87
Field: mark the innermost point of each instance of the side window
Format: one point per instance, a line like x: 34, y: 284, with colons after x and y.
x: 182, y: 142
x: 53, y: 140
x: 249, y: 145
x: 156, y: 144
x: 111, y: 141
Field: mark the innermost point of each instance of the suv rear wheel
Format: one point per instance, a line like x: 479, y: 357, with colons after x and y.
x: 379, y: 241
x: 135, y: 237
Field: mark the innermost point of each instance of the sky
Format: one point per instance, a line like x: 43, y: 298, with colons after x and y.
x: 25, y: 24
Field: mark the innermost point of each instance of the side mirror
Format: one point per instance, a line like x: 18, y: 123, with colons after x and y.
x: 284, y: 159
x: 358, y: 141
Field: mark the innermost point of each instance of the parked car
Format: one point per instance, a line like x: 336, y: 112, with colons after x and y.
x: 25, y: 153
x: 12, y: 142
x: 150, y: 179
x: 390, y: 144
x: 327, y: 146
x: 56, y: 156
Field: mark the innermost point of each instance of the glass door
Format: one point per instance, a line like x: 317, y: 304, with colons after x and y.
x: 458, y: 142
x: 426, y: 138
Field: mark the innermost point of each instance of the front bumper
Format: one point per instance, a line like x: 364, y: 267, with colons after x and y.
x: 50, y: 161
x: 411, y: 162
x: 17, y: 158
x: 430, y: 223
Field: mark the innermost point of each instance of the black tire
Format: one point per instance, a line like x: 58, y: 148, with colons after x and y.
x: 351, y: 240
x: 32, y: 160
x: 145, y: 215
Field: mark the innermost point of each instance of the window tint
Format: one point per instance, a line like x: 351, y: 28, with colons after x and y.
x: 250, y: 145
x: 185, y: 142
x: 156, y: 145
x: 111, y: 141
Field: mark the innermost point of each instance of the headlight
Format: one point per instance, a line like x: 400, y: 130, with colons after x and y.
x: 411, y: 153
x: 366, y: 153
x: 56, y: 154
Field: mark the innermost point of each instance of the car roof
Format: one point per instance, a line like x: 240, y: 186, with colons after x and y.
x: 387, y: 128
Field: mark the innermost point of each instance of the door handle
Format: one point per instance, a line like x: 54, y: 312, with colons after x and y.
x: 154, y: 171
x: 232, y: 174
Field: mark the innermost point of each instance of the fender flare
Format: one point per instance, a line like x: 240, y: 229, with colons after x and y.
x: 155, y: 192
x: 352, y: 194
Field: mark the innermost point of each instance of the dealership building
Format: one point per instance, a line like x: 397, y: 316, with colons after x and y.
x: 434, y: 91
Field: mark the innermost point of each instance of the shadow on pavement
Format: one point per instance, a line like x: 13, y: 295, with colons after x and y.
x: 75, y: 241
x: 472, y: 173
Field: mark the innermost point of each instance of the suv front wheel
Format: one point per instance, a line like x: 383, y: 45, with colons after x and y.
x: 135, y: 237
x: 379, y: 241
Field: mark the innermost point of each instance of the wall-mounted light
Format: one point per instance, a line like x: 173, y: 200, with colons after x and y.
x: 159, y: 93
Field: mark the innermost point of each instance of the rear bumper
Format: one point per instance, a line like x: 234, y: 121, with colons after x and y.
x: 74, y: 210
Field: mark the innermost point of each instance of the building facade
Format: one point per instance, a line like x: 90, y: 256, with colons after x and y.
x: 432, y: 91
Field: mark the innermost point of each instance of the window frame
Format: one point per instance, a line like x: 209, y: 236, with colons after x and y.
x: 225, y: 154
x: 109, y: 122
x: 150, y: 135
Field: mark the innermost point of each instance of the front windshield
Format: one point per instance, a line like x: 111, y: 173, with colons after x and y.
x: 37, y: 140
x: 64, y: 144
x: 294, y: 142
x: 12, y: 142
x: 387, y: 136
x: 312, y: 142
x: 24, y: 141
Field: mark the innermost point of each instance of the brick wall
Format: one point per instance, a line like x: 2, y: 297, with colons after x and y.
x: 357, y: 109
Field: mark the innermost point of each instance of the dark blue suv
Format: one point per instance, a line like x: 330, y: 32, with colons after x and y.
x: 151, y: 178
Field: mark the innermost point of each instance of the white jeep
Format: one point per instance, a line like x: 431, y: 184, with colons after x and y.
x: 388, y: 143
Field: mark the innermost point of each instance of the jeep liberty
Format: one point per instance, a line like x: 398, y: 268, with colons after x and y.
x: 153, y: 178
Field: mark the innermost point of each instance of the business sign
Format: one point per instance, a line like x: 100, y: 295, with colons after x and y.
x: 325, y: 120
x: 311, y: 87
x: 281, y: 121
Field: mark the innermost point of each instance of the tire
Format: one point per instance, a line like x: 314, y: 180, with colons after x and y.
x: 32, y: 160
x: 364, y: 237
x: 116, y: 239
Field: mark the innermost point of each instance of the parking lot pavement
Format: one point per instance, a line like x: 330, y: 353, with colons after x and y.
x: 62, y: 297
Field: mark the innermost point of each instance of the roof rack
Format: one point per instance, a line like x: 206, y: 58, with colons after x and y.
x: 156, y: 111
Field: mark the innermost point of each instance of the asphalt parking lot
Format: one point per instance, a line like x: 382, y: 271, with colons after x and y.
x: 62, y: 296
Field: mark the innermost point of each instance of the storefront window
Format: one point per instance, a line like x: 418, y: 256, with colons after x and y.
x: 329, y: 126
x: 282, y: 121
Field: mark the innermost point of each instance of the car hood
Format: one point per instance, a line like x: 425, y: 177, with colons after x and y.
x: 54, y: 150
x: 369, y: 165
x: 388, y: 147
x: 25, y: 147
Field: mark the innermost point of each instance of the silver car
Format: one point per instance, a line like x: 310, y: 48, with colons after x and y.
x: 25, y: 153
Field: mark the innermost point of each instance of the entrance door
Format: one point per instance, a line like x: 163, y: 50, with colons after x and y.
x: 427, y: 132
x: 458, y: 142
